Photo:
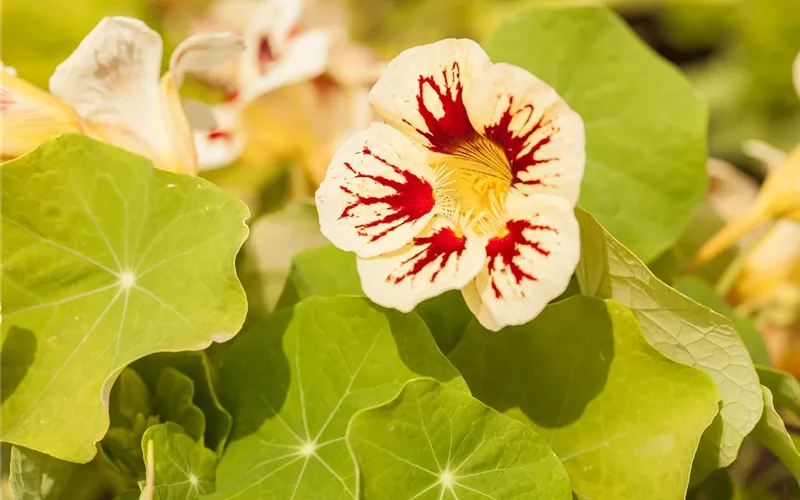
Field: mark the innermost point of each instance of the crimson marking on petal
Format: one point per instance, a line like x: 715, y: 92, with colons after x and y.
x: 520, y: 154
x: 454, y: 125
x: 507, y: 248
x: 265, y: 55
x: 441, y: 244
x: 231, y: 96
x: 411, y: 200
x: 6, y: 99
x: 218, y: 134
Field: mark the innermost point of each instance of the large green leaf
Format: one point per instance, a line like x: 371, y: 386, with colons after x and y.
x: 196, y: 366
x: 772, y: 433
x: 324, y: 271
x: 105, y: 260
x: 683, y: 330
x: 36, y: 476
x: 700, y: 291
x: 184, y: 468
x: 293, y: 382
x: 624, y: 419
x: 645, y: 127
x: 432, y: 442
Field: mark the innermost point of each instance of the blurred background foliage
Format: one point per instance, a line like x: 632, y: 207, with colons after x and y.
x: 737, y: 53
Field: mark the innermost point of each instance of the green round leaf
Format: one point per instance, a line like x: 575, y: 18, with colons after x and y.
x: 784, y: 386
x: 645, y: 127
x: 105, y: 260
x: 184, y: 469
x: 682, y: 329
x: 292, y: 383
x: 772, y: 433
x: 36, y: 476
x: 623, y: 418
x: 431, y: 442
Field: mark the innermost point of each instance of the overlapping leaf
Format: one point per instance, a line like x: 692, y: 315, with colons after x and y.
x: 432, y: 442
x: 105, y: 260
x: 292, y: 383
x: 645, y: 127
x: 184, y: 468
x: 683, y: 330
x: 36, y: 476
x: 624, y: 419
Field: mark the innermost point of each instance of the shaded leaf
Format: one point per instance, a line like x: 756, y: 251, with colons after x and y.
x: 432, y: 442
x: 36, y: 476
x: 105, y: 260
x: 686, y: 332
x: 772, y: 433
x: 294, y: 380
x: 783, y: 386
x: 623, y: 418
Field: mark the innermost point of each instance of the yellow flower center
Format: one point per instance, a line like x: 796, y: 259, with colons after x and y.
x: 472, y: 183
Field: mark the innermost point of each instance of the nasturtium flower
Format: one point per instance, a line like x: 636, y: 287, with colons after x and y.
x: 109, y: 89
x: 469, y: 184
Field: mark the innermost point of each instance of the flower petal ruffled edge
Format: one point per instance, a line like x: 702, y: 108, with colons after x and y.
x: 421, y: 91
x: 435, y: 261
x: 377, y: 193
x: 528, y: 266
x: 543, y: 138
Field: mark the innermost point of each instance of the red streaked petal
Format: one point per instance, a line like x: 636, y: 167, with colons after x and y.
x: 436, y: 260
x: 377, y: 193
x: 542, y: 137
x: 528, y: 266
x: 421, y: 91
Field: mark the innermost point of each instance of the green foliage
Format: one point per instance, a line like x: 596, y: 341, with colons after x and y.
x: 772, y: 432
x: 653, y: 163
x: 683, y: 330
x: 105, y: 260
x: 36, y: 476
x: 623, y: 418
x: 294, y: 380
x: 184, y: 468
x: 435, y: 442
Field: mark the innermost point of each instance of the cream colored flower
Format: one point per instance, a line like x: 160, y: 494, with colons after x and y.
x: 112, y: 81
x: 470, y: 184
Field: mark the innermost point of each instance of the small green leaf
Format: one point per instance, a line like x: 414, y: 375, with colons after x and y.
x: 431, y: 442
x: 274, y: 241
x: 703, y: 293
x: 105, y: 260
x: 184, y: 468
x: 36, y: 476
x: 294, y: 380
x: 783, y: 386
x: 645, y: 126
x: 623, y: 418
x: 686, y: 332
x: 173, y: 403
x: 772, y: 433
x: 198, y: 368
x: 323, y: 271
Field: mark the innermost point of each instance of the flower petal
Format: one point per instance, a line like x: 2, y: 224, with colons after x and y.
x: 796, y: 74
x: 435, y: 261
x: 421, y: 91
x: 202, y: 52
x: 305, y: 57
x: 542, y: 137
x: 222, y: 144
x: 275, y: 55
x: 30, y: 116
x: 111, y: 80
x: 529, y: 266
x: 377, y: 194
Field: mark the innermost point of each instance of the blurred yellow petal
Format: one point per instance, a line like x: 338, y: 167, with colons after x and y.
x: 181, y: 156
x: 30, y: 116
x: 774, y: 260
